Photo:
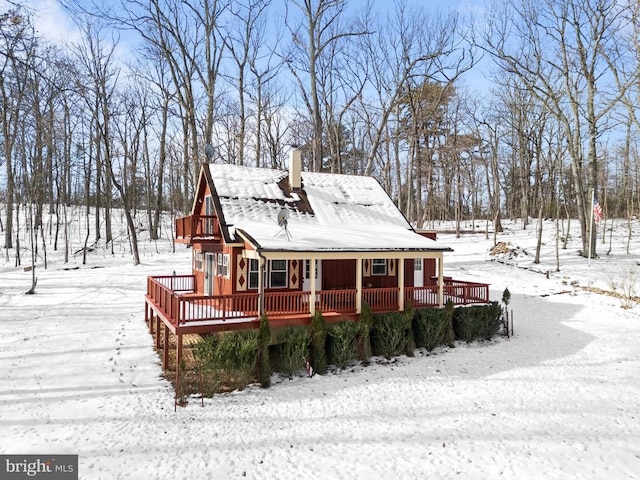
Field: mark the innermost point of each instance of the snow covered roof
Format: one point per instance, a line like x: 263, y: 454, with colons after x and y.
x: 329, y: 213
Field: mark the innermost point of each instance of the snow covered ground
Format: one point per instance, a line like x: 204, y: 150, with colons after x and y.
x: 560, y: 400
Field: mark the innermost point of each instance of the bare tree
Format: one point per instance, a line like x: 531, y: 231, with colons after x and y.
x: 564, y: 53
x: 241, y: 42
x: 17, y: 52
x: 313, y: 37
x: 186, y: 34
x: 130, y: 130
x: 97, y: 60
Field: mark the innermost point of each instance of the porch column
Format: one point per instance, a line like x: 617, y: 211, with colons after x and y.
x: 312, y: 286
x: 400, y: 284
x: 440, y: 282
x: 359, y: 285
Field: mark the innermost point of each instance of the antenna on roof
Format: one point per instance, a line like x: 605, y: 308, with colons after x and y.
x: 283, y: 221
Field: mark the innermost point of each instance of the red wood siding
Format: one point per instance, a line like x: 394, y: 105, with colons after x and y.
x: 429, y: 270
x: 408, y: 272
x: 338, y: 274
x: 428, y: 234
x: 381, y: 281
x: 341, y: 274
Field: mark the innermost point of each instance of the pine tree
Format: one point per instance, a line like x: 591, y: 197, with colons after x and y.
x: 318, y: 343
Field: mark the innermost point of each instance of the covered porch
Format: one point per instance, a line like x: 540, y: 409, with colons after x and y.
x: 174, y: 301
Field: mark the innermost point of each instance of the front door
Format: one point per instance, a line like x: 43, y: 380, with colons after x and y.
x: 306, y: 279
x: 209, y: 273
x: 418, y: 276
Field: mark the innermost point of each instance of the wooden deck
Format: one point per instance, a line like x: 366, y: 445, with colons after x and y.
x: 173, y: 300
x: 172, y: 306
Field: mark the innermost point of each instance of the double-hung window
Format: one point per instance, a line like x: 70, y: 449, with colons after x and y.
x: 223, y: 265
x: 197, y: 259
x: 278, y: 273
x: 253, y: 273
x: 379, y: 266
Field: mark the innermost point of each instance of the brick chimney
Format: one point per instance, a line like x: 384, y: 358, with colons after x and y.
x: 295, y: 169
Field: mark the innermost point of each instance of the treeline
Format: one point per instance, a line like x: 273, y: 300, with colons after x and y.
x: 120, y: 116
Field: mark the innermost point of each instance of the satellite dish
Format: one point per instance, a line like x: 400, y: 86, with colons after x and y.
x: 283, y: 217
x: 209, y: 151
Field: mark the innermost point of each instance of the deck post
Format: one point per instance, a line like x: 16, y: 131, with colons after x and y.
x: 178, y: 388
x: 157, y: 333
x: 178, y: 350
x: 165, y: 348
x: 400, y: 284
x: 359, y: 285
x: 440, y: 282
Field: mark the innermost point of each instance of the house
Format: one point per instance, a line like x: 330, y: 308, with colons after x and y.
x: 288, y: 244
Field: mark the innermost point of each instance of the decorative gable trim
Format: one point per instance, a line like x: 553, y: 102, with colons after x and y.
x: 224, y: 228
x: 391, y: 267
x: 294, y: 274
x: 242, y: 279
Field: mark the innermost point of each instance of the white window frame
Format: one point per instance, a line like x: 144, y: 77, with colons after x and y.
x: 280, y: 271
x: 253, y: 272
x: 208, y: 211
x: 223, y: 265
x: 379, y: 264
x: 198, y: 260
x: 307, y: 269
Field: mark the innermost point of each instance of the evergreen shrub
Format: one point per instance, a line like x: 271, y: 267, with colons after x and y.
x: 477, y: 322
x: 204, y: 354
x: 318, y: 343
x: 390, y: 333
x: 410, y: 346
x: 431, y: 327
x: 293, y: 349
x: 365, y: 321
x: 237, y: 357
x: 229, y: 358
x: 343, y: 343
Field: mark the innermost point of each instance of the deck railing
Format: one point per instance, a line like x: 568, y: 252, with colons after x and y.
x: 174, y: 296
x: 177, y: 283
x: 421, y: 297
x: 342, y: 301
x: 286, y: 303
x: 464, y: 293
x: 219, y: 307
x: 381, y: 299
x: 195, y: 226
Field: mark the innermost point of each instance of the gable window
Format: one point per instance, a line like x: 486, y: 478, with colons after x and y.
x: 197, y: 259
x: 278, y: 273
x: 208, y: 211
x: 223, y: 265
x: 379, y: 266
x: 253, y: 273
